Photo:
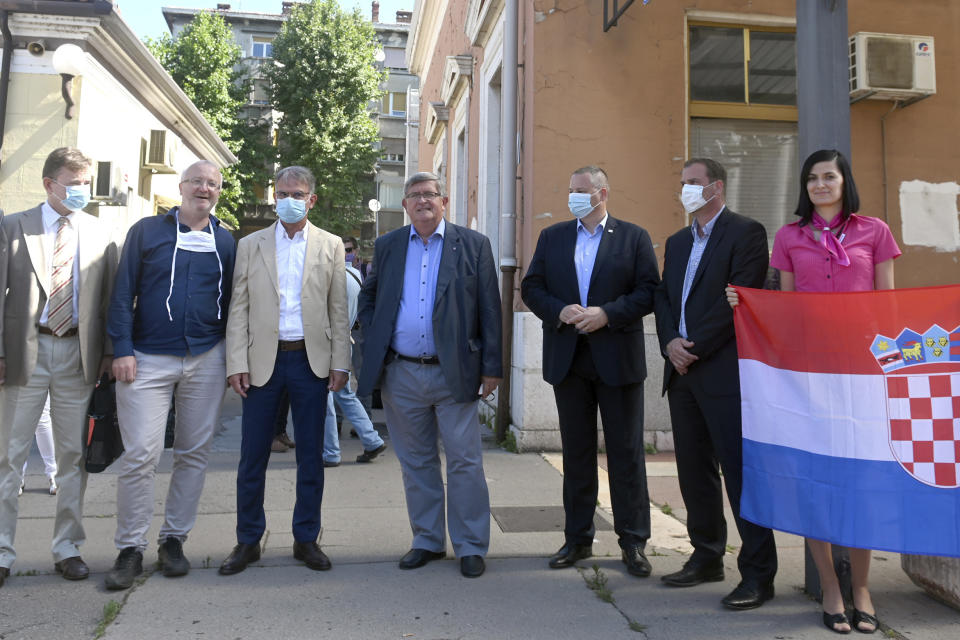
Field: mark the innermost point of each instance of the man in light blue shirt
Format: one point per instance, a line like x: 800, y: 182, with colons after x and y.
x: 430, y: 313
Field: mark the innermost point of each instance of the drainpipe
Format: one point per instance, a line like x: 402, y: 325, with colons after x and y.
x: 5, y: 70
x: 508, y: 203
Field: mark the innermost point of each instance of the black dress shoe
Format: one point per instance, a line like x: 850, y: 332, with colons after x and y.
x: 748, y: 595
x: 472, y: 566
x: 239, y: 558
x: 637, y: 563
x: 416, y: 558
x: 4, y: 572
x: 310, y: 554
x: 693, y: 574
x: 73, y: 568
x: 368, y: 456
x: 569, y: 554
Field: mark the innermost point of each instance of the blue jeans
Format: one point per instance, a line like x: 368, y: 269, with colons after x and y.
x: 352, y: 410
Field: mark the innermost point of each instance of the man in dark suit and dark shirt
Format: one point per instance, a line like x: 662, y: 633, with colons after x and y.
x: 701, y: 378
x: 430, y: 315
x: 591, y: 281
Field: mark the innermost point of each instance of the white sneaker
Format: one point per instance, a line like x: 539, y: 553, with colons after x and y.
x: 20, y: 490
x: 53, y: 485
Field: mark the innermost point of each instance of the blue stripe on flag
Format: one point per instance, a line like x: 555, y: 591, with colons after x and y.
x: 854, y: 503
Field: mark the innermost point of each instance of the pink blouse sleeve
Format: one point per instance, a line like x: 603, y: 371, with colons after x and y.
x: 780, y: 258
x: 884, y: 246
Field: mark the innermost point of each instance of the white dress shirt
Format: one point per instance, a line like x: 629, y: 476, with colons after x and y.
x: 50, y: 226
x: 290, y: 256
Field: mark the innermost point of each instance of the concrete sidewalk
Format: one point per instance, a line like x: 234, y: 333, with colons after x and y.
x: 365, y: 595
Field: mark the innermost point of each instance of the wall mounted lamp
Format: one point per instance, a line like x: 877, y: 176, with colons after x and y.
x: 69, y: 61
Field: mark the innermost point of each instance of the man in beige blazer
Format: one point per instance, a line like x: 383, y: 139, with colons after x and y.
x: 57, y: 268
x: 286, y: 331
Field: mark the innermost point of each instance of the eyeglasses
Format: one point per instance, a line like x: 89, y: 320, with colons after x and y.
x: 213, y: 185
x: 296, y: 195
x: 422, y: 195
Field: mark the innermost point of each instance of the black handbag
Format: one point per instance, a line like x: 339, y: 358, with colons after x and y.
x: 104, y: 443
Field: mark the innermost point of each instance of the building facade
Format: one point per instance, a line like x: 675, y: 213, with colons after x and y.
x: 669, y: 81
x: 78, y: 76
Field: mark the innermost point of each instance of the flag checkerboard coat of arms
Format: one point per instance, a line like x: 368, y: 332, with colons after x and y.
x: 922, y: 381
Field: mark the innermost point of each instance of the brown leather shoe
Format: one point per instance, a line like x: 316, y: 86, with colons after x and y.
x: 73, y: 568
x: 310, y: 554
x: 278, y: 445
x: 285, y: 439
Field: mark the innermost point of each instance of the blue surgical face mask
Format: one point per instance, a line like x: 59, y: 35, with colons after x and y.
x: 291, y: 210
x: 579, y: 204
x: 78, y: 196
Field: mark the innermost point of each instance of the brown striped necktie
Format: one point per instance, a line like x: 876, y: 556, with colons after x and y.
x: 60, y: 304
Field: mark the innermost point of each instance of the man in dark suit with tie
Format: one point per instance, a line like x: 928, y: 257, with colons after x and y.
x: 430, y: 315
x: 591, y: 281
x: 701, y: 378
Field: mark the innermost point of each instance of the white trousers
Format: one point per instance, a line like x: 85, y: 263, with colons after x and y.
x: 197, y: 384
x: 45, y: 443
x: 59, y: 374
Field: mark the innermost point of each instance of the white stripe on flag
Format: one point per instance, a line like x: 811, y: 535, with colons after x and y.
x: 839, y: 415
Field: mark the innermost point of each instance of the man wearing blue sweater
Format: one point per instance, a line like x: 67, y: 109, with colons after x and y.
x: 178, y: 268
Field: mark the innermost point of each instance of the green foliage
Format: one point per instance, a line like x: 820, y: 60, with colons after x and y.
x: 323, y: 85
x: 204, y: 61
x: 598, y: 584
x: 510, y: 443
x: 110, y: 611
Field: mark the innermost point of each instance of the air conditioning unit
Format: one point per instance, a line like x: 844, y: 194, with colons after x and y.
x: 887, y: 66
x: 161, y: 152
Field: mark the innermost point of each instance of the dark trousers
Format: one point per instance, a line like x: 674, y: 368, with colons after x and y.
x: 706, y: 438
x: 283, y: 408
x: 308, y: 401
x: 621, y: 411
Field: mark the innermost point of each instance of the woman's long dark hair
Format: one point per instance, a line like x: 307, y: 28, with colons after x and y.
x: 851, y: 201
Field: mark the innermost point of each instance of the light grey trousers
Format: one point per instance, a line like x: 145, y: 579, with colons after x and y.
x: 58, y: 372
x: 419, y: 411
x: 197, y: 384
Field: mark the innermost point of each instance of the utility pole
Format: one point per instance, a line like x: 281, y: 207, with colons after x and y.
x: 823, y: 76
x: 823, y: 106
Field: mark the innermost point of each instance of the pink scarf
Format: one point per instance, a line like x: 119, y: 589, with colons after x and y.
x: 829, y: 241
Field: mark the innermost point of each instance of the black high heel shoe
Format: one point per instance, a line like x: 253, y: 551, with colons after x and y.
x: 865, y: 618
x: 832, y: 619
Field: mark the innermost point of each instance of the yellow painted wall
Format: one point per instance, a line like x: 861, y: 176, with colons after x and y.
x: 35, y: 126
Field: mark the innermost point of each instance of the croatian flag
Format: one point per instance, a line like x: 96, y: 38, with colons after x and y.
x: 851, y: 416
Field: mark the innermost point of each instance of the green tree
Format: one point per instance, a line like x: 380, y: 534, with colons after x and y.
x: 323, y: 85
x: 204, y: 60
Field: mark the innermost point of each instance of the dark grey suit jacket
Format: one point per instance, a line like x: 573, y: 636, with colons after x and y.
x: 736, y: 253
x: 466, y: 312
x: 624, y: 278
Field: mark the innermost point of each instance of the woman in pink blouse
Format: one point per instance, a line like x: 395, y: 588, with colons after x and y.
x: 831, y: 248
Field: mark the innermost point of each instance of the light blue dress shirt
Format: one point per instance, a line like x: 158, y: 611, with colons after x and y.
x: 585, y: 256
x: 696, y: 254
x: 413, y: 330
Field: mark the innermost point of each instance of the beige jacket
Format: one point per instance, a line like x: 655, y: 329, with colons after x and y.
x: 25, y: 281
x: 253, y: 323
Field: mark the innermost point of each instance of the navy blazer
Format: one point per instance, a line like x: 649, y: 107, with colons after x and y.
x: 623, y: 281
x: 466, y: 312
x: 736, y: 253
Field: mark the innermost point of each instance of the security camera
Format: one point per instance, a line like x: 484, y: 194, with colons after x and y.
x: 37, y: 47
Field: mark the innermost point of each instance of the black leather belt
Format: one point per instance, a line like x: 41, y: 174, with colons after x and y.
x: 420, y: 360
x: 291, y: 345
x: 69, y: 333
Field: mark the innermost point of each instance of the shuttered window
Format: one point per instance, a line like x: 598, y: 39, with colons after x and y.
x: 762, y: 166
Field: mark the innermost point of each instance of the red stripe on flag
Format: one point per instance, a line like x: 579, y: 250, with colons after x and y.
x: 833, y: 332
